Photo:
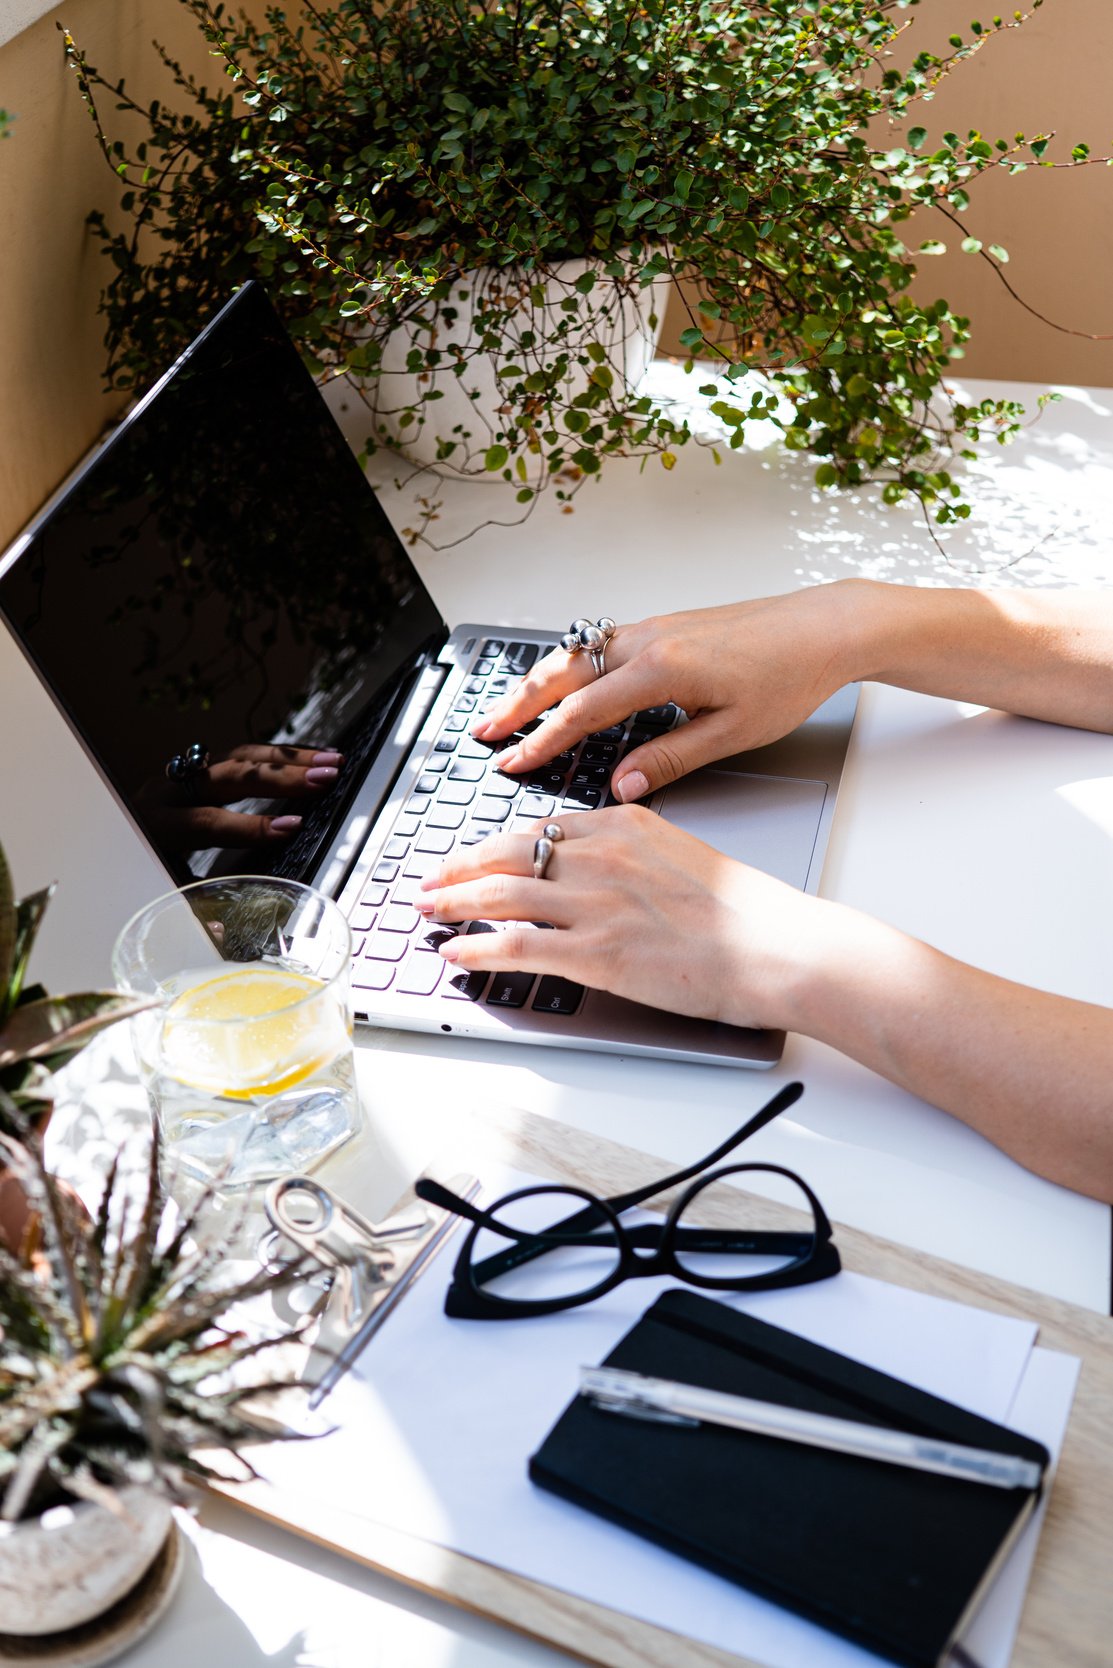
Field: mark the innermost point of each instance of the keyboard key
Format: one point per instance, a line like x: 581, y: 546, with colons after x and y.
x: 446, y: 744
x: 445, y: 816
x: 470, y: 748
x: 483, y: 668
x: 479, y: 926
x: 436, y: 765
x: 489, y: 809
x: 455, y: 722
x: 374, y: 893
x: 426, y: 784
x: 420, y: 865
x: 492, y: 648
x: 385, y: 871
x: 394, y: 849
x: 509, y: 990
x: 588, y: 775
x: 362, y: 919
x: 464, y: 703
x: 467, y: 770
x: 456, y: 793
x: 518, y: 658
x: 406, y: 827
x: 583, y: 799
x: 384, y: 946
x: 476, y: 686
x: 547, y: 781
x: 472, y: 836
x: 420, y: 976
x: 663, y: 716
x: 397, y: 917
x: 417, y: 806
x: 613, y: 734
x: 598, y: 752
x: 372, y: 975
x: 503, y: 787
x: 436, y: 841
x: 439, y: 935
x: 535, y: 805
x: 498, y: 686
x: 468, y: 986
x: 408, y: 893
x: 558, y: 996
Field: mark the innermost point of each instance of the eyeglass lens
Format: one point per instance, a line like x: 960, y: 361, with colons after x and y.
x: 564, y: 1270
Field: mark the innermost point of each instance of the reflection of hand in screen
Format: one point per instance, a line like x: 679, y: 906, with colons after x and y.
x: 190, y: 814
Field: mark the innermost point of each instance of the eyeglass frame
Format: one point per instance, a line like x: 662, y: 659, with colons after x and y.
x: 467, y: 1299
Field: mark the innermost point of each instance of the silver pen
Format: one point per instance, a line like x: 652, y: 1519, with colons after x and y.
x: 666, y: 1401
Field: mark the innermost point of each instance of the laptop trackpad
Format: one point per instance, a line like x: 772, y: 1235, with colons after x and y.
x: 768, y: 821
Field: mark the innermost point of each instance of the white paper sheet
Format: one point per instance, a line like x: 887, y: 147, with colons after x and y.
x: 439, y: 1417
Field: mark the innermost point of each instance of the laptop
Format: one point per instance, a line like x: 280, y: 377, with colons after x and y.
x: 219, y: 571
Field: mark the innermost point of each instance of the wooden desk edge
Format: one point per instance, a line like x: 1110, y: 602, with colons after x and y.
x: 1068, y: 1611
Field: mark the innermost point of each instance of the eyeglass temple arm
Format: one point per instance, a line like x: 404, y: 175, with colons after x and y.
x: 781, y: 1101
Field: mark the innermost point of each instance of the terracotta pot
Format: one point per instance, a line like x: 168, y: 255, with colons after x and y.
x: 76, y: 1561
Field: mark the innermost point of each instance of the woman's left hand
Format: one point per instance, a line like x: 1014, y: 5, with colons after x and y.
x: 638, y: 908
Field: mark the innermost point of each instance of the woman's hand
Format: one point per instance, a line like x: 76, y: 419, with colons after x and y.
x: 745, y: 674
x: 638, y: 907
x: 191, y: 814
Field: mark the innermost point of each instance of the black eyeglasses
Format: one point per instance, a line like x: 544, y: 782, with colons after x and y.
x: 512, y: 1265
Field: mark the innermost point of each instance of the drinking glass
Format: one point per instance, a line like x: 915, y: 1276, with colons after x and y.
x: 248, y: 1056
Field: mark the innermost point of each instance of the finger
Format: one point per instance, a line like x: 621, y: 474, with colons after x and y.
x: 234, y: 779
x: 495, y: 897
x: 272, y: 753
x: 517, y: 949
x: 605, y: 701
x: 670, y: 756
x: 191, y: 828
x: 499, y: 853
x: 553, y: 677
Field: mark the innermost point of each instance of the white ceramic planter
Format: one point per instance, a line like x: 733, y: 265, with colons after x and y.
x: 74, y: 1562
x: 626, y: 323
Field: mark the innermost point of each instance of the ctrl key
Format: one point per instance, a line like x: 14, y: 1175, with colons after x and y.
x: 558, y: 996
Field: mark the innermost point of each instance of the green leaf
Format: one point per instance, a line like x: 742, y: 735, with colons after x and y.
x: 58, y: 1026
x: 682, y: 185
x: 692, y: 337
x: 28, y: 913
x: 999, y: 253
x: 916, y: 137
x: 826, y: 475
x: 971, y: 246
x: 495, y: 457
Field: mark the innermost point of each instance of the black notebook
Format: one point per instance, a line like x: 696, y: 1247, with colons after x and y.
x: 893, y: 1558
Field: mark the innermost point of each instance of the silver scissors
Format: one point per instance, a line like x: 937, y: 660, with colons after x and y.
x: 371, y: 1263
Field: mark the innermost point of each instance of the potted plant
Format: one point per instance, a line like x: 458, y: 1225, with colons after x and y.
x: 38, y: 1034
x: 122, y: 1383
x: 411, y: 179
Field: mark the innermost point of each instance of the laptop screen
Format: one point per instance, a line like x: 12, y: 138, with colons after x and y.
x: 220, y: 573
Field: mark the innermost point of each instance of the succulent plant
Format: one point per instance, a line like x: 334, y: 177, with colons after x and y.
x: 118, y: 1364
x: 39, y: 1033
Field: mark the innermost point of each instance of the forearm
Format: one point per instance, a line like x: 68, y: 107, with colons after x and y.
x: 1031, y: 1071
x: 1047, y: 656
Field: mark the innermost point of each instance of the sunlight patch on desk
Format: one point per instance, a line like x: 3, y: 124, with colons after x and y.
x: 1093, y: 799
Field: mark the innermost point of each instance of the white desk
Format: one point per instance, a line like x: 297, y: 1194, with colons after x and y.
x: 987, y: 835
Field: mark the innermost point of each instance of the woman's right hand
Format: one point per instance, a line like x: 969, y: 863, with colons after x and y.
x: 745, y: 674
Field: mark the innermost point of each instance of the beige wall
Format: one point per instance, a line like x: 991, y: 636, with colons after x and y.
x: 1054, y: 73
x: 52, y: 405
x: 1057, y: 227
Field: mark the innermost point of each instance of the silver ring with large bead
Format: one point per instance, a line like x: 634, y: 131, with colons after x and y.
x: 582, y: 635
x: 543, y: 849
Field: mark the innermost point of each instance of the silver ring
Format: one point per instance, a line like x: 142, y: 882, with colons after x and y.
x: 581, y: 635
x: 552, y: 834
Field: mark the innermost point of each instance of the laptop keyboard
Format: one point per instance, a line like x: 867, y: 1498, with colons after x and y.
x: 459, y: 799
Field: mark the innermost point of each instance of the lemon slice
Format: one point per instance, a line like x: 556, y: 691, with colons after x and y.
x: 247, y: 1033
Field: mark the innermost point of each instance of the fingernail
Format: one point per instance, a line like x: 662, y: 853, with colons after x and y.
x: 507, y: 760
x: 321, y: 775
x: 480, y: 729
x: 327, y: 759
x: 450, y: 950
x: 632, y: 786
x: 284, y: 825
x: 430, y: 883
x: 425, y: 909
